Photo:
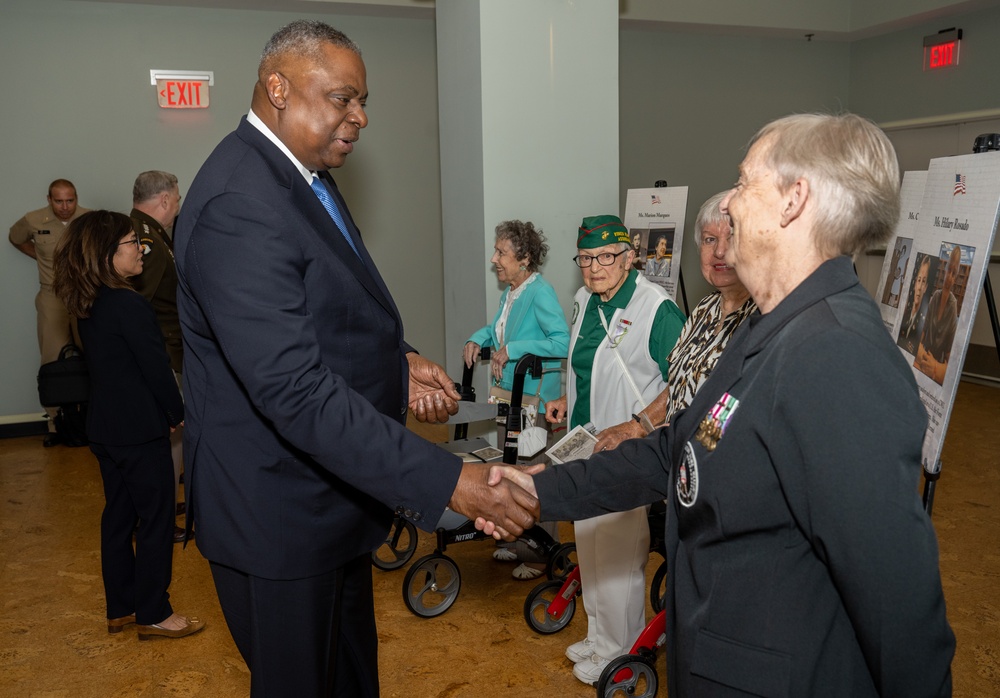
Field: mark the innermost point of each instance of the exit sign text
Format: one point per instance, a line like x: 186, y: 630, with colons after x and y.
x: 182, y: 94
x: 942, y: 56
x: 941, y: 50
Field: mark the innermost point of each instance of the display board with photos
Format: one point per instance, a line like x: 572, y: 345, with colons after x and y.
x: 933, y: 273
x: 655, y: 222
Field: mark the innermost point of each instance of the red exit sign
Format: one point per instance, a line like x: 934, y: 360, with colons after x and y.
x: 941, y: 50
x: 182, y: 89
x: 943, y: 55
x: 182, y: 94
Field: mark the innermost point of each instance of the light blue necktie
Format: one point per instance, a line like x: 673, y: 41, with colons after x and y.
x: 331, y: 207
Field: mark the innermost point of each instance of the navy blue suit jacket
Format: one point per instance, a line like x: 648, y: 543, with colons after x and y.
x: 295, y: 375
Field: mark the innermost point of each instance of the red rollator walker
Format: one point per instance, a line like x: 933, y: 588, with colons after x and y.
x: 551, y: 604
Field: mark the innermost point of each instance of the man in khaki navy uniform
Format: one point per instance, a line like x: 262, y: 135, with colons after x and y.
x: 156, y: 201
x: 36, y: 235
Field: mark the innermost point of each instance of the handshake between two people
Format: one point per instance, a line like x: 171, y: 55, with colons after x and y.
x: 500, y: 498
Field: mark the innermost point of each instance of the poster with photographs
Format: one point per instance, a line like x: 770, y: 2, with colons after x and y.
x: 899, y: 255
x: 947, y: 249
x: 655, y: 220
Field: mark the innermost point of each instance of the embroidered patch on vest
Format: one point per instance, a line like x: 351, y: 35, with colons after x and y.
x: 687, y: 477
x: 576, y: 312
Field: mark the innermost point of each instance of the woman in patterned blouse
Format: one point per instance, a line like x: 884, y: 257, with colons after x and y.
x: 705, y: 333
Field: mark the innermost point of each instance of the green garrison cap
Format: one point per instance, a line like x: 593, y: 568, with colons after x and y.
x: 598, y: 231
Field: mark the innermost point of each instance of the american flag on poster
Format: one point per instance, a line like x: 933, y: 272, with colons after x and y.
x: 959, y: 184
x: 655, y: 199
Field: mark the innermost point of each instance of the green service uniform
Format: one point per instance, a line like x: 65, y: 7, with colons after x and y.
x: 158, y: 281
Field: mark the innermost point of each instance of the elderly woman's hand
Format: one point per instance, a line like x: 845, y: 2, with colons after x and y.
x: 498, y: 361
x: 555, y: 410
x: 471, y: 353
x: 609, y: 439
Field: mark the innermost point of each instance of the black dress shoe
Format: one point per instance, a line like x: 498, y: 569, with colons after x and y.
x: 51, y: 439
x: 179, y: 534
x: 181, y: 508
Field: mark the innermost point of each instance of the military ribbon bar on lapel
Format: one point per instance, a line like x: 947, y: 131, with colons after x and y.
x: 715, y: 422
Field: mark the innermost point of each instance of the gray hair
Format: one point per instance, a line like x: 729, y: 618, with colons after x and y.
x: 527, y: 241
x: 149, y: 184
x: 852, y: 172
x: 710, y: 214
x: 303, y: 37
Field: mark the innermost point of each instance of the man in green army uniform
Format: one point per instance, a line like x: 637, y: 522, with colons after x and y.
x: 156, y: 201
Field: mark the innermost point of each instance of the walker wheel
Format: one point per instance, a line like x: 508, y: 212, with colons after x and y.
x: 658, y: 589
x: 536, y: 608
x: 561, y: 561
x: 431, y: 585
x: 630, y: 675
x: 398, y: 547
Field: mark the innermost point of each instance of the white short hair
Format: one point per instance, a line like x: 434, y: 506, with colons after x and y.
x: 852, y: 172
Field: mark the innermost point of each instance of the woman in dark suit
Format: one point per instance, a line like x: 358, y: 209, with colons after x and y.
x: 134, y: 405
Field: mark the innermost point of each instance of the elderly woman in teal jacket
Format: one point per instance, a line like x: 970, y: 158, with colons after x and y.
x: 529, y: 321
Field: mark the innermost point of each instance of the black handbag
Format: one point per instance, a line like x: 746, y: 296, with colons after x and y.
x: 64, y: 381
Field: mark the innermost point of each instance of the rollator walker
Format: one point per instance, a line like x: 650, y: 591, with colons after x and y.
x: 551, y: 604
x: 433, y: 582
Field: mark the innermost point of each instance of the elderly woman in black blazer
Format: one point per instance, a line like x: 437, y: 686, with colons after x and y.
x: 134, y: 405
x: 800, y: 559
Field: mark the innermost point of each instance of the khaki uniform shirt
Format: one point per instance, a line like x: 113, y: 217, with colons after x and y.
x: 46, y: 230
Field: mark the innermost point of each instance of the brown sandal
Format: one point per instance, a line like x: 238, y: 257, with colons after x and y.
x: 116, y: 625
x: 148, y: 632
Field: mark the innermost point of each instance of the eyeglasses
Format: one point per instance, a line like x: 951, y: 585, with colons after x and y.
x: 133, y: 241
x: 605, y: 259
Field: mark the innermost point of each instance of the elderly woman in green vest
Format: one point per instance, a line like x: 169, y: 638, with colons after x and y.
x: 622, y: 332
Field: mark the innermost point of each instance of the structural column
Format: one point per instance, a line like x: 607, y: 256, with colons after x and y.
x: 528, y: 102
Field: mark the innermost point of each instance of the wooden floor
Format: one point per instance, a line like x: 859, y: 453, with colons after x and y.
x: 53, y: 642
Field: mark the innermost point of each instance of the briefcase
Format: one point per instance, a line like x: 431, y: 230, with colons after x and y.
x: 65, y: 380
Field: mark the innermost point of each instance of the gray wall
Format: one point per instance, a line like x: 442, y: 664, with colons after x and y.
x: 690, y: 103
x: 888, y: 82
x: 82, y: 108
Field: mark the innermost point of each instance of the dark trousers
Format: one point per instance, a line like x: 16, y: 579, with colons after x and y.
x: 138, y: 490
x: 309, y: 638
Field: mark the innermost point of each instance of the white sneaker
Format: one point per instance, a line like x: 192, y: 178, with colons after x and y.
x: 579, y: 651
x: 589, y: 671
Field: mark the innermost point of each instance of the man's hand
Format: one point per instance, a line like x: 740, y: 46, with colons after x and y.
x: 609, y: 439
x: 433, y: 397
x: 555, y: 410
x: 505, y: 505
x: 27, y: 247
x: 520, y: 475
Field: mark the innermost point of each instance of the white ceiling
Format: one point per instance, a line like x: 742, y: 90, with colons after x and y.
x: 831, y: 20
